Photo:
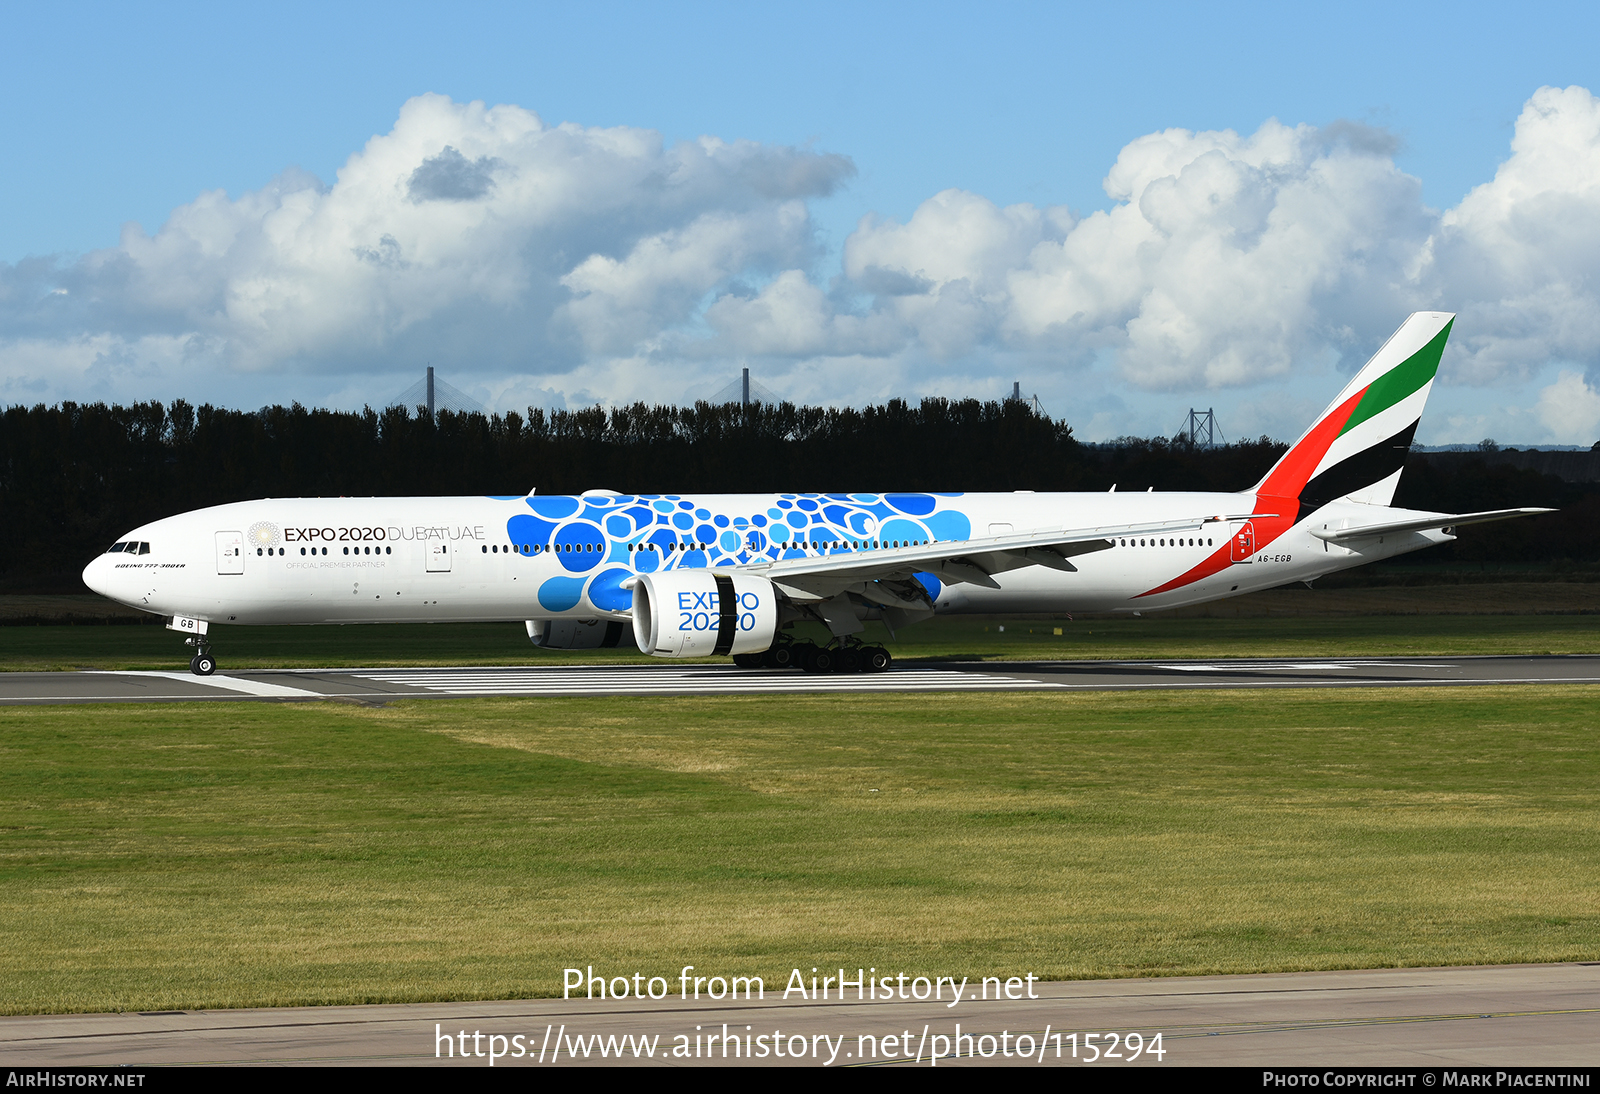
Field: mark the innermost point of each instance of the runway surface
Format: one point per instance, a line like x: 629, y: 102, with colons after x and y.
x: 1542, y: 1016
x: 381, y: 685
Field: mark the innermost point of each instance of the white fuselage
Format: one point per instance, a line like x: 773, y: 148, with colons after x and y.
x: 374, y: 560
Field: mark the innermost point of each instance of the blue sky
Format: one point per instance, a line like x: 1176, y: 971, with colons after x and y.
x: 128, y: 115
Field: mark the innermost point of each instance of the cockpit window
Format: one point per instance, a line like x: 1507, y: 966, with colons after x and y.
x: 144, y: 548
x: 115, y: 548
x: 129, y: 547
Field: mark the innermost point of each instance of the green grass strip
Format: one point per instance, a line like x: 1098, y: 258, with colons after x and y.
x: 228, y: 855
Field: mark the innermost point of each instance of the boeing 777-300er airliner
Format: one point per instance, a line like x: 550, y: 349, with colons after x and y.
x: 690, y: 576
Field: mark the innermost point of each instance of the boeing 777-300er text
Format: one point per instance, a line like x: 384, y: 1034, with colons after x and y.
x: 690, y: 576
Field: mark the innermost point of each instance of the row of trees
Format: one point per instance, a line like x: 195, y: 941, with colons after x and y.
x: 74, y: 477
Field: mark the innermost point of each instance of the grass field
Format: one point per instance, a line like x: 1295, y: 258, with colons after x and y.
x: 1511, y: 618
x: 212, y: 855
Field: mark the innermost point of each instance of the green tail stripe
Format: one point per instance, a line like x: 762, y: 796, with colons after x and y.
x: 1400, y: 381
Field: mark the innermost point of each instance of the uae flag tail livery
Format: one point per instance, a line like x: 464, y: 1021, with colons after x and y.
x: 1356, y: 449
x: 796, y: 579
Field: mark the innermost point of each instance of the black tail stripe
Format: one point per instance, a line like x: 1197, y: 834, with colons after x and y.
x: 727, y: 614
x: 1366, y: 467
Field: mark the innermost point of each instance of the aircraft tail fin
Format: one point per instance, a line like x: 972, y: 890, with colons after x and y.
x: 1357, y: 447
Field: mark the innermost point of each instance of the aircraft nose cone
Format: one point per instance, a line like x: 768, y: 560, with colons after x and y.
x: 97, y: 575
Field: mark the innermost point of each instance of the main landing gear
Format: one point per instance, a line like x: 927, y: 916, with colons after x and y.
x: 842, y: 658
x: 202, y: 663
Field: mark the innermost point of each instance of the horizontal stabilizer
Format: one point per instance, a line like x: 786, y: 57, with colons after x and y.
x: 1421, y: 524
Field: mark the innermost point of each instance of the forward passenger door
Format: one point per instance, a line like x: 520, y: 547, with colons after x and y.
x: 230, y: 552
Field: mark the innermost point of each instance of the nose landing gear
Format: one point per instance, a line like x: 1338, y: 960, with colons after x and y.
x: 202, y: 663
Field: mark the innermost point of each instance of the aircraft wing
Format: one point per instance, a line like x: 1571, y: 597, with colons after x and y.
x: 1421, y: 524
x: 825, y: 575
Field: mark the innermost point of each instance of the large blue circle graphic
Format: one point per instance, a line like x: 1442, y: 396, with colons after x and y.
x: 561, y: 594
x: 554, y: 506
x: 524, y: 529
x: 917, y: 505
x: 574, y: 540
x: 949, y: 524
x: 901, y: 531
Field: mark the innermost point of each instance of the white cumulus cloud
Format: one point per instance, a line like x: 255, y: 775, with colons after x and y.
x: 587, y: 263
x: 1570, y: 409
x: 468, y: 234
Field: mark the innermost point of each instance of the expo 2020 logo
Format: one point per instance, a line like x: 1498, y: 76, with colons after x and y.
x: 264, y: 534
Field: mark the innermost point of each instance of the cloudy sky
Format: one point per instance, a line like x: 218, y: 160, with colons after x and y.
x: 1129, y: 211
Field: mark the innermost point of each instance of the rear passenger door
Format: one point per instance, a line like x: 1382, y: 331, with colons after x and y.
x: 1244, y: 543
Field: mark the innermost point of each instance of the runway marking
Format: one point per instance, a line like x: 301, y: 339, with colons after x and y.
x: 1290, y: 666
x: 229, y: 683
x: 1243, y: 685
x: 692, y: 678
x: 386, y: 684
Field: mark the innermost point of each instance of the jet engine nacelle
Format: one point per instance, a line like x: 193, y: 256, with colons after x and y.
x: 700, y: 613
x: 579, y: 634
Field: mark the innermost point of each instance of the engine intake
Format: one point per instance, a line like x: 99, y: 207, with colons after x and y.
x: 701, y: 613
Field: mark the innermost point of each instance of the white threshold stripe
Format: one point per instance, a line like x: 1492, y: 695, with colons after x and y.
x: 229, y: 683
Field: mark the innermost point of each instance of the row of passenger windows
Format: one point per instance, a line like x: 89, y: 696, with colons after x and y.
x: 540, y: 548
x: 324, y: 550
x: 141, y: 548
x: 129, y: 547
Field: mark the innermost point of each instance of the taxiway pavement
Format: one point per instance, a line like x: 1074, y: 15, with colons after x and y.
x: 383, y: 685
x: 1541, y: 1016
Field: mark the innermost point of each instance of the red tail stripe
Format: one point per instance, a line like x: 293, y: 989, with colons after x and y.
x: 1297, y: 465
x: 1267, y: 529
x: 1213, y: 564
x: 1279, y: 493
